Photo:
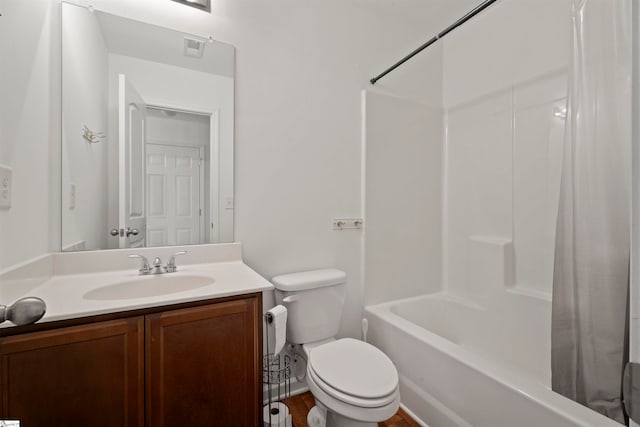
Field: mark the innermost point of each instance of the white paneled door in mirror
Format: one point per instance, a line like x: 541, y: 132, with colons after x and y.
x: 175, y: 210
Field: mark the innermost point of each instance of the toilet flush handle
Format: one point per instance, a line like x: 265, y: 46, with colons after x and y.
x: 290, y: 299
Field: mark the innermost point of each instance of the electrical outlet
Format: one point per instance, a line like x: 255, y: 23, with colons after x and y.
x: 6, y: 182
x: 347, y: 223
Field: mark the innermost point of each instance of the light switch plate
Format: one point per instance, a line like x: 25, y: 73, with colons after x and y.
x: 72, y: 196
x: 228, y: 203
x: 6, y: 182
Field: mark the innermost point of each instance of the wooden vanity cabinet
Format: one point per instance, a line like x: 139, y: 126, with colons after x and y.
x: 74, y: 376
x: 196, y: 364
x: 202, y: 366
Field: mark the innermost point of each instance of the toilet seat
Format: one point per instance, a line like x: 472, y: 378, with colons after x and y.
x: 349, y: 398
x: 354, y: 372
x: 348, y: 406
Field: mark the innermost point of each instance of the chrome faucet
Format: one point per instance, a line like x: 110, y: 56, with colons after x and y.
x: 156, y: 267
x: 144, y: 263
x: 171, y: 265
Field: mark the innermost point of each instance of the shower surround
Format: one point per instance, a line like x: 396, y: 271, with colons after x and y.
x: 463, y: 304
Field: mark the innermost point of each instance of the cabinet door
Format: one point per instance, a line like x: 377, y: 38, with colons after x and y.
x: 203, y: 366
x: 85, y: 375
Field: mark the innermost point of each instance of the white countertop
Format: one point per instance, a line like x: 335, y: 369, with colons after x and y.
x: 72, y: 292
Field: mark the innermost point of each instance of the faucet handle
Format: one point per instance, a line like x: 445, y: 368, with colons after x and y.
x: 171, y: 265
x: 144, y: 263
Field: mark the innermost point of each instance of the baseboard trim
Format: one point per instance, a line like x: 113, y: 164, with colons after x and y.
x: 413, y: 415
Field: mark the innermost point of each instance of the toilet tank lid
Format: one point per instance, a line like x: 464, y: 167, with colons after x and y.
x: 309, y: 279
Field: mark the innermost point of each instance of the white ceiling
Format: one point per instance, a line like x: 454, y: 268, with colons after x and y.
x: 137, y: 39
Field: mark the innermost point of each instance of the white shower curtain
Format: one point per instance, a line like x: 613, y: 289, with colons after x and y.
x: 592, y: 241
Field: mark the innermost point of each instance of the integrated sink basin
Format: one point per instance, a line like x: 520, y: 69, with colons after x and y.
x: 76, y: 285
x: 149, y: 286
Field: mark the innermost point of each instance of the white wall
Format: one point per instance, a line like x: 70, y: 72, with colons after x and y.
x: 403, y: 198
x: 504, y: 146
x: 168, y: 85
x: 84, y: 165
x: 29, y: 128
x: 512, y: 42
x: 403, y: 180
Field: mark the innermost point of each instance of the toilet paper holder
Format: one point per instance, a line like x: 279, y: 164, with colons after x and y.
x: 268, y: 317
x: 276, y: 368
x: 276, y: 378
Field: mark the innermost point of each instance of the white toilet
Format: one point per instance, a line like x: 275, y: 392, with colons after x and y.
x: 354, y: 383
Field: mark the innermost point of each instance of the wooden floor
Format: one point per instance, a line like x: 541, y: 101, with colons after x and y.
x: 300, y: 405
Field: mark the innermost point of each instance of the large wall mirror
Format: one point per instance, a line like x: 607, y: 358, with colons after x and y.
x: 147, y: 134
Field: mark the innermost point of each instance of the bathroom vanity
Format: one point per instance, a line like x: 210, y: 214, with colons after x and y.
x: 188, y: 357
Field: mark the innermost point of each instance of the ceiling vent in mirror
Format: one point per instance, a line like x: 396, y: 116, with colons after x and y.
x: 198, y: 4
x: 193, y: 48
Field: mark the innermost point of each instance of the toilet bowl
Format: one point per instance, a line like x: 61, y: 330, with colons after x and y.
x: 354, y: 383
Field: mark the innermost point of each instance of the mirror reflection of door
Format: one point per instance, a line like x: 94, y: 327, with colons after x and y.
x: 132, y: 112
x: 173, y: 199
x: 179, y: 180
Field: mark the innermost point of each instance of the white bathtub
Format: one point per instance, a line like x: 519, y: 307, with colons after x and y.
x: 461, y: 364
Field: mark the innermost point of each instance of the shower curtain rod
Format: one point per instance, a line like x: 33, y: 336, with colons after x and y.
x: 434, y: 39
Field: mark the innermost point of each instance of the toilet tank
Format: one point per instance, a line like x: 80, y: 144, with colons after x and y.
x: 314, y: 301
